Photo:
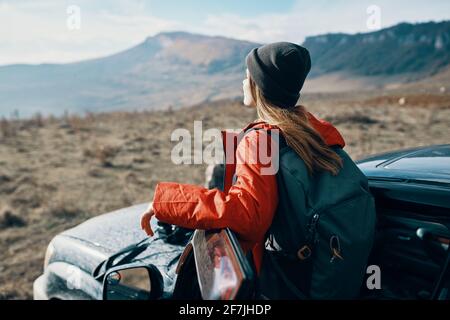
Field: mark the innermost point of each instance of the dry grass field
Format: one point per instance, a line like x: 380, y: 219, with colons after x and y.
x: 58, y: 172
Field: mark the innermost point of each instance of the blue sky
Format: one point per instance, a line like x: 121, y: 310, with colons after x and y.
x: 195, y: 10
x: 36, y: 31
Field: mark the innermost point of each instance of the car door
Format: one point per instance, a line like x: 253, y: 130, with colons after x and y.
x: 214, y: 267
x: 412, y: 241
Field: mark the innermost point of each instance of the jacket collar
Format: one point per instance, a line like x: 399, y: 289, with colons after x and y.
x: 327, y: 131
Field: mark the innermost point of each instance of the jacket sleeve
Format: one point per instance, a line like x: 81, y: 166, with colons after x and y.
x: 247, y: 209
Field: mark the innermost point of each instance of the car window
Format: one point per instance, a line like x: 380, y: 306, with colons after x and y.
x: 431, y: 161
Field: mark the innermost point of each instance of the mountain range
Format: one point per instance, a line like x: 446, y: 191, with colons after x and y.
x: 178, y: 69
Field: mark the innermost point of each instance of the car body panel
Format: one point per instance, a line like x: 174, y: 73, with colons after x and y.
x: 111, y: 231
x: 79, y: 250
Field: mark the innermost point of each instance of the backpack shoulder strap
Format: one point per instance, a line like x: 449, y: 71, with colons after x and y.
x: 270, y: 132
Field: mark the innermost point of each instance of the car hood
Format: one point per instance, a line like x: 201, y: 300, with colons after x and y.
x: 94, y: 240
x: 112, y: 231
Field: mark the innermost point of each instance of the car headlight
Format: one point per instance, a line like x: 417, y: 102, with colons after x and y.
x: 48, y: 255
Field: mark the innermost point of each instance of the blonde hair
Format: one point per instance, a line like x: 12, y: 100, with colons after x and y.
x: 298, y: 133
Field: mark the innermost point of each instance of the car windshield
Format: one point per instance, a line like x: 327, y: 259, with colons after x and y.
x: 435, y: 160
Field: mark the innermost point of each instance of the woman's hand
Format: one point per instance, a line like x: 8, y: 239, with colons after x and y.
x: 145, y: 220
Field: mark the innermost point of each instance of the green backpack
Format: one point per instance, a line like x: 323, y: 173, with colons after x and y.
x: 322, y: 233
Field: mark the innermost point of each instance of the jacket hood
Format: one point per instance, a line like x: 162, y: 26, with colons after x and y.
x: 327, y: 131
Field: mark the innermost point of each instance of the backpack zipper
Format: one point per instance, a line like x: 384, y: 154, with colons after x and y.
x: 313, y: 228
x: 305, y: 252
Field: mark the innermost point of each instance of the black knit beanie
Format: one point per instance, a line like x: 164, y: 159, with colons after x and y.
x: 279, y: 70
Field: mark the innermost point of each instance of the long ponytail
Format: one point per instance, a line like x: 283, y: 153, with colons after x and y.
x: 298, y: 133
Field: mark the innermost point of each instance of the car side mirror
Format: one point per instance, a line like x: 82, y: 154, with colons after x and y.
x: 132, y: 283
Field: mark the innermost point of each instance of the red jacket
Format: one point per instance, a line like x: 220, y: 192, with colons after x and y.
x: 247, y: 207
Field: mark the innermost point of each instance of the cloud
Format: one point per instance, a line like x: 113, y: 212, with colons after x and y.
x: 36, y: 31
x: 322, y: 16
x: 293, y: 26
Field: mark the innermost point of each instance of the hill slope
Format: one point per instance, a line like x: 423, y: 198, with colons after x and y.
x: 170, y: 69
x: 415, y: 49
x: 180, y: 69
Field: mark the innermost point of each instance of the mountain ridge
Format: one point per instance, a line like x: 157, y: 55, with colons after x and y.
x: 178, y: 69
x: 404, y: 48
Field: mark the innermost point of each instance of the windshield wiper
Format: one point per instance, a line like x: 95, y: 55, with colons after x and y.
x: 129, y: 253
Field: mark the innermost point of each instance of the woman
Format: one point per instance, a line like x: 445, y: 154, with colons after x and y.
x: 275, y: 76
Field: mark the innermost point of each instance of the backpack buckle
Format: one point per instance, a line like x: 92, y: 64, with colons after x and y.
x: 304, y: 252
